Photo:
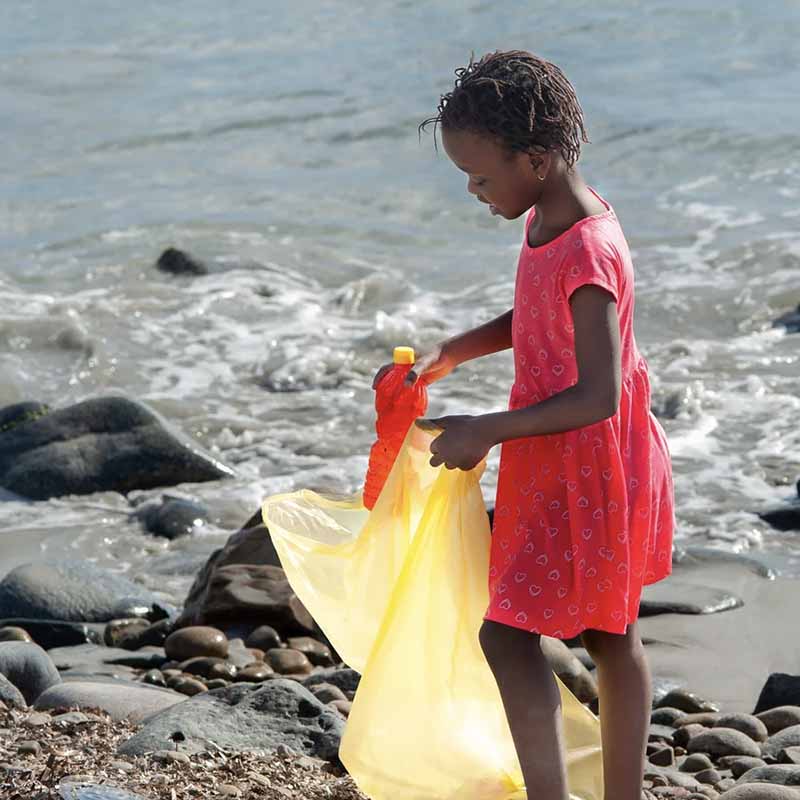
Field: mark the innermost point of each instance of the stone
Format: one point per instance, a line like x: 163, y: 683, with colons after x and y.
x: 10, y: 695
x: 746, y: 723
x: 154, y: 677
x: 119, y: 699
x: 780, y: 717
x: 723, y: 742
x: 217, y: 683
x: 56, y: 633
x: 696, y: 762
x: 153, y: 635
x: 780, y: 689
x: 761, y: 791
x: 682, y: 736
x: 188, y: 686
x: 239, y: 655
x: 254, y: 673
x: 28, y: 667
x: 79, y: 787
x: 264, y: 637
x: 342, y: 706
x: 76, y: 591
x: 29, y: 747
x: 666, y: 715
x: 738, y: 765
x: 788, y: 737
x: 782, y: 774
x: 102, y: 444
x: 177, y: 262
x: 244, y: 717
x: 663, y: 733
x: 172, y: 517
x: 709, y: 776
x: 71, y: 718
x: 13, y: 634
x: 327, y: 692
x: 243, y: 584
x: 317, y: 653
x: 91, y: 657
x: 687, y: 701
x: 707, y: 719
x: 665, y: 757
x: 37, y: 720
x: 345, y: 678
x: 680, y: 597
x: 569, y: 669
x: 783, y: 518
x: 789, y: 755
x: 118, y: 630
x: 197, y: 640
x: 209, y: 667
x: 171, y: 757
x: 288, y: 661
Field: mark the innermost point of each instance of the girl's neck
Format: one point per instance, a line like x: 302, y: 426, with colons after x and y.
x: 565, y: 200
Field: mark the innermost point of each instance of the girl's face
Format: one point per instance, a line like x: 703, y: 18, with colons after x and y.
x: 506, y: 181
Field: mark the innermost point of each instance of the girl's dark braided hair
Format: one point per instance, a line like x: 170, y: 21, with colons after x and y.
x: 521, y: 100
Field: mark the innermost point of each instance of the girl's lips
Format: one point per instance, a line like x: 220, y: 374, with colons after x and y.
x: 493, y: 209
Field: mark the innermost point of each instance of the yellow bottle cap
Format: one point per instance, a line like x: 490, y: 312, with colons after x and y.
x: 404, y: 355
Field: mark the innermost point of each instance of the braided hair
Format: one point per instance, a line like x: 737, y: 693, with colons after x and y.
x: 517, y: 98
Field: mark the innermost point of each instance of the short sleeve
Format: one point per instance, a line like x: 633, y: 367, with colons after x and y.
x: 591, y: 262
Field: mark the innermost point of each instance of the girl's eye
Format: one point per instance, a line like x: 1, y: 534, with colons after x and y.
x: 479, y: 182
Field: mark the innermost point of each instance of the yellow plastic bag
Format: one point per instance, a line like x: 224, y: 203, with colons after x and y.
x: 401, y: 591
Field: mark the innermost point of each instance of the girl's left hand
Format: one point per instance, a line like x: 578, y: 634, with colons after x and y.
x: 464, y: 442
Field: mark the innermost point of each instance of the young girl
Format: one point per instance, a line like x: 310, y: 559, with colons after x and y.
x: 584, y: 509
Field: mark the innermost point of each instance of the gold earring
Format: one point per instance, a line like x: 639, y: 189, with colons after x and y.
x: 540, y: 177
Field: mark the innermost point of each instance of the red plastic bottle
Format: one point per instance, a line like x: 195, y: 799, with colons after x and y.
x: 397, y: 407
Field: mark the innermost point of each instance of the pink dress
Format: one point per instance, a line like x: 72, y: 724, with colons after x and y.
x: 583, y: 519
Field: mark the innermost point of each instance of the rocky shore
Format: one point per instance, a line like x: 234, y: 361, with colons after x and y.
x: 108, y: 691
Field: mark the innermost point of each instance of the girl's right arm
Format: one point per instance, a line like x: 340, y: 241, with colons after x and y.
x: 491, y: 337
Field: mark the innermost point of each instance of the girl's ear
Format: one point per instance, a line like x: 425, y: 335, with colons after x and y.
x: 540, y: 164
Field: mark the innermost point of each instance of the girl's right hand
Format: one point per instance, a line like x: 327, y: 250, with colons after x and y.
x: 432, y: 366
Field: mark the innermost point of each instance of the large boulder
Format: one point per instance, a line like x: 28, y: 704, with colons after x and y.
x: 102, y: 444
x: 245, y: 717
x: 75, y: 591
x: 28, y: 667
x: 120, y: 699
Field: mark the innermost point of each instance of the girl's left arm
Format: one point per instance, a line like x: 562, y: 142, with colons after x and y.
x: 594, y: 397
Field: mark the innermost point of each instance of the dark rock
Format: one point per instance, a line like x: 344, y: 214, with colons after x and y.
x: 87, y: 657
x: 76, y: 591
x: 27, y: 667
x: 152, y: 636
x: 254, y: 673
x: 177, y: 262
x: 187, y: 686
x: 120, y: 699
x: 209, y: 667
x: 569, y: 669
x: 679, y: 597
x: 243, y: 583
x: 779, y: 717
x: 327, y: 692
x: 243, y: 717
x: 709, y: 776
x: 52, y: 633
x: 154, y: 677
x: 11, y: 416
x: 264, y: 637
x: 103, y: 444
x: 118, y: 630
x: 318, y: 654
x: 665, y: 757
x: 738, y: 765
x: 790, y: 320
x: 779, y: 690
x: 345, y: 678
x: 789, y: 755
x: 664, y: 733
x: 10, y: 695
x: 197, y: 640
x: 287, y: 661
x: 173, y: 517
x: 666, y: 715
x: 696, y: 763
x: 682, y: 736
x: 785, y: 518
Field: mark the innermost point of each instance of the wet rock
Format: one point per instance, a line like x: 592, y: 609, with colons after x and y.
x: 680, y: 597
x: 783, y: 518
x: 13, y: 634
x: 209, y: 667
x: 102, y: 444
x: 318, y: 654
x: 10, y: 695
x: 154, y: 677
x: 27, y: 667
x: 55, y: 633
x: 172, y: 517
x: 197, y: 640
x: 345, y: 678
x: 686, y: 701
x: 120, y: 699
x: 790, y: 320
x: 240, y: 655
x: 780, y: 717
x: 188, y: 686
x: 780, y: 689
x: 217, y: 683
x: 153, y: 635
x: 118, y: 630
x: 75, y: 591
x: 264, y: 637
x: 287, y: 661
x: 327, y: 692
x: 178, y: 262
x: 243, y: 717
x: 254, y: 673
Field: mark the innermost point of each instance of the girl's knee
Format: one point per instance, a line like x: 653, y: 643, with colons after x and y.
x: 497, y: 639
x: 604, y: 645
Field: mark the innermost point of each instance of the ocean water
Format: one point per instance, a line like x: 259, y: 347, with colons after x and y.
x: 278, y: 142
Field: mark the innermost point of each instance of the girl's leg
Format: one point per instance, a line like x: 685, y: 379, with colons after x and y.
x: 533, y: 707
x: 626, y: 697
